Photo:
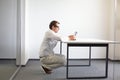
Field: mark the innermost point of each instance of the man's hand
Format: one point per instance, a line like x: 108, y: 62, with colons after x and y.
x: 72, y: 37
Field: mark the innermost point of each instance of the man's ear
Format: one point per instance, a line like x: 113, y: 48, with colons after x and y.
x: 52, y: 27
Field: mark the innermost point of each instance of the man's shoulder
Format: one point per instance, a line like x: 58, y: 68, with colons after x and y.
x: 49, y: 32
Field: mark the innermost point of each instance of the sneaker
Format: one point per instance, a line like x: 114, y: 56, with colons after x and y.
x: 46, y: 70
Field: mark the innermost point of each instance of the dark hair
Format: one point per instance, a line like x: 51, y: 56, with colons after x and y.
x: 53, y: 23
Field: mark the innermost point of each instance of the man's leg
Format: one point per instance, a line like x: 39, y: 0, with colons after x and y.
x: 53, y: 61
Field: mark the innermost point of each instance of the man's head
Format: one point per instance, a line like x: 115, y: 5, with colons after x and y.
x: 54, y: 26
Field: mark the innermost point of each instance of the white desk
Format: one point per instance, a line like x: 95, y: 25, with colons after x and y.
x: 87, y: 43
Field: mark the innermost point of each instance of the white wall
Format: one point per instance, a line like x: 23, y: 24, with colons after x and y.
x: 12, y: 31
x: 91, y: 18
x: 8, y: 13
x: 117, y: 31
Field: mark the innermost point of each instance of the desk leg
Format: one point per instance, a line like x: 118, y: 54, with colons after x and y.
x: 67, y: 62
x: 106, y: 73
x: 60, y: 47
x: 89, y: 55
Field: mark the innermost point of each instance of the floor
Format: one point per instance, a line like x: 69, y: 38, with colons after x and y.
x: 33, y: 71
x: 7, y: 68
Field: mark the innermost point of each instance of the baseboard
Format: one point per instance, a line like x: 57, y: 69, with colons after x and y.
x: 7, y: 58
x: 24, y: 65
x: 74, y: 59
x: 114, y: 60
x: 34, y: 59
x: 83, y: 59
x: 30, y: 60
x: 98, y: 59
x: 88, y: 59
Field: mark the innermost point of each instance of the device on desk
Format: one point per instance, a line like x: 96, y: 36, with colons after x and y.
x: 75, y: 33
x: 73, y: 37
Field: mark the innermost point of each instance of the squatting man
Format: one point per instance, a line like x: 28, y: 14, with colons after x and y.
x: 49, y: 60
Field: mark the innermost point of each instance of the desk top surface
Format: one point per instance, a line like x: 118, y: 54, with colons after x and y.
x: 90, y: 41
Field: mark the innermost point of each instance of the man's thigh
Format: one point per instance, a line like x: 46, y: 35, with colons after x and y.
x: 53, y: 59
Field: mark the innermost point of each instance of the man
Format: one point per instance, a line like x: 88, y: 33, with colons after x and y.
x: 48, y: 58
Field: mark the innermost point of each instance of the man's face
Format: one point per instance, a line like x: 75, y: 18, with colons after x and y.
x: 55, y: 29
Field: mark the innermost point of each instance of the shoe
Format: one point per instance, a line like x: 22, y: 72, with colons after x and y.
x: 47, y: 71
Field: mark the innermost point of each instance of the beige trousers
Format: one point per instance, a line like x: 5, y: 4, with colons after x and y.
x: 53, y: 61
